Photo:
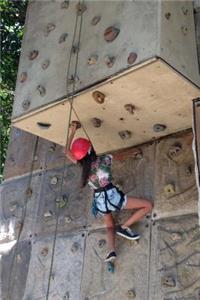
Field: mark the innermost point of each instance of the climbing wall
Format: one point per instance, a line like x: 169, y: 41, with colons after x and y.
x: 122, y: 55
x: 165, y: 263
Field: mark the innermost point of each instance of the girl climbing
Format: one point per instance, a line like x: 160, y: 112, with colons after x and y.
x: 96, y: 171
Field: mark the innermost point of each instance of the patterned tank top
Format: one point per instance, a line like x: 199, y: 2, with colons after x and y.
x: 100, y: 173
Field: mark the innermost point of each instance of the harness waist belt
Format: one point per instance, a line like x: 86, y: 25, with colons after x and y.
x: 105, y: 188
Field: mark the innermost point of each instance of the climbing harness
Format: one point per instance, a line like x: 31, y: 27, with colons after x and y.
x: 107, y: 199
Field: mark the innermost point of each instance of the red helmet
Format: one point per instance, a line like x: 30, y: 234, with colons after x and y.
x: 80, y: 148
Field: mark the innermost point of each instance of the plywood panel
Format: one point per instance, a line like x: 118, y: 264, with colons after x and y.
x: 158, y: 93
x: 131, y: 269
x: 175, y: 189
x: 174, y: 269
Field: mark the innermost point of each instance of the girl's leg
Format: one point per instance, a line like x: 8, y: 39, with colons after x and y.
x: 143, y: 207
x: 110, y: 226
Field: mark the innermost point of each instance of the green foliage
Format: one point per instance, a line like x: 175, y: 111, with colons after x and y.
x: 12, y: 25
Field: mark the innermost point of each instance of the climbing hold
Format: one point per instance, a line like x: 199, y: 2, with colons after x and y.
x: 139, y: 155
x: 41, y: 89
x: 26, y: 104
x: 98, y: 97
x: 184, y: 10
x: 80, y: 8
x: 159, y: 127
x: 44, y: 251
x: 48, y: 214
x: 131, y: 294
x: 50, y: 27
x: 184, y: 30
x: 75, y: 247
x: 45, y: 64
x: 33, y: 54
x: 68, y: 219
x: 167, y: 15
x: 23, y: 77
x: 29, y: 192
x: 35, y: 158
x: 176, y: 236
x: 131, y: 58
x: 61, y: 201
x: 65, y: 4
x: 78, y: 124
x: 95, y: 20
x: 169, y: 190
x: 19, y: 258
x: 111, y: 267
x: 13, y: 206
x: 188, y: 170
x: 43, y: 125
x: 111, y: 33
x: 92, y: 60
x: 54, y: 180
x: 102, y: 243
x: 73, y: 79
x: 125, y: 134
x: 175, y: 150
x: 63, y: 38
x: 168, y: 281
x: 96, y: 122
x: 109, y: 61
x: 130, y: 108
x: 52, y: 148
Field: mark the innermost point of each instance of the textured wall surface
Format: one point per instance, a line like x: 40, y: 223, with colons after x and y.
x: 114, y: 36
x: 163, y: 265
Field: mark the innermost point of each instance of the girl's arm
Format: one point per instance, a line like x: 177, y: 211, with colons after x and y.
x: 68, y: 153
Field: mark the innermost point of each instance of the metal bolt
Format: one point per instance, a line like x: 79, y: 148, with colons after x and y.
x: 125, y: 134
x: 95, y: 20
x: 23, y: 76
x: 111, y: 33
x: 159, y: 127
x: 169, y: 190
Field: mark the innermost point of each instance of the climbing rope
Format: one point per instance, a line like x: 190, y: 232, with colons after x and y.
x: 27, y: 195
x: 69, y: 122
